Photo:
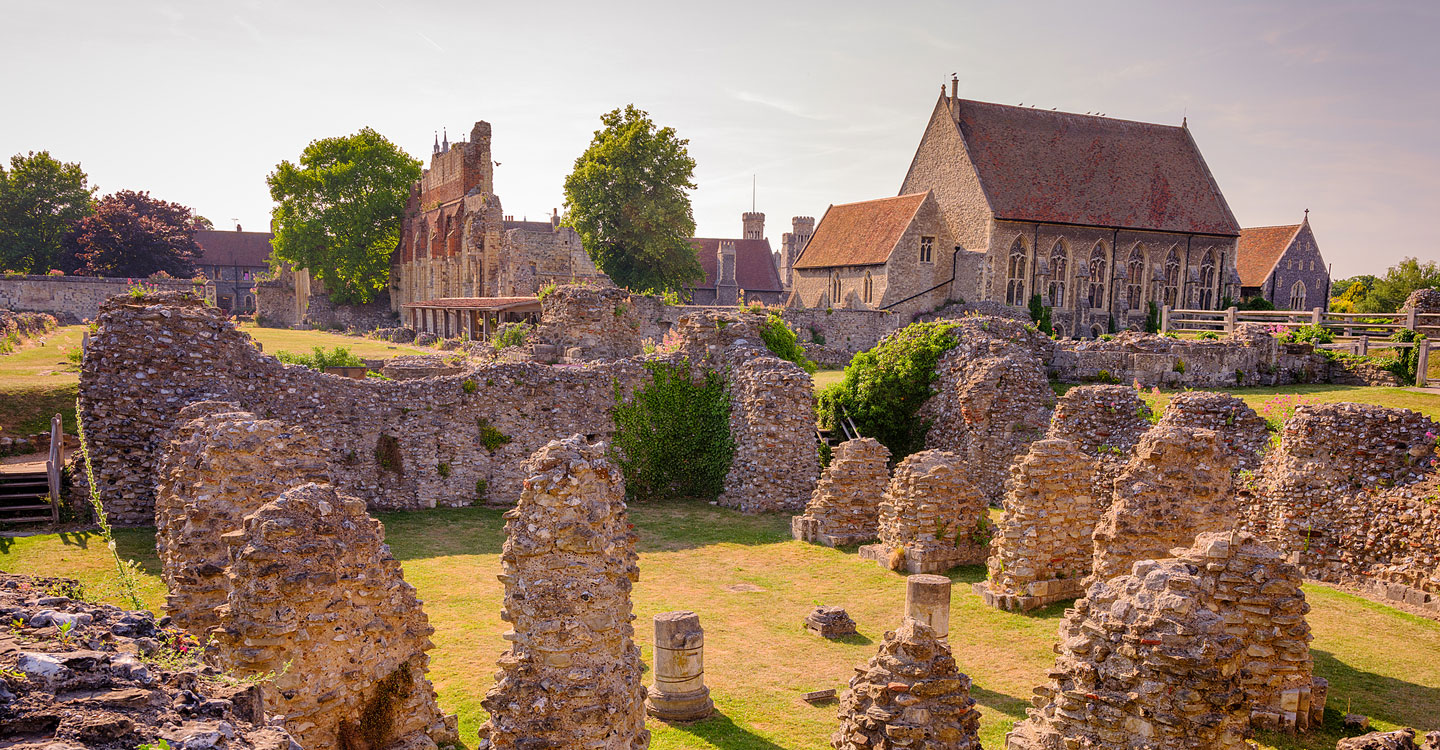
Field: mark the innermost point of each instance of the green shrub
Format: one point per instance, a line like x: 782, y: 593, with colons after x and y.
x: 481, y: 488
x: 1104, y: 376
x: 1255, y: 303
x: 1179, y: 366
x: 1310, y: 333
x: 781, y: 341
x: 490, y: 437
x: 1041, y: 315
x: 545, y: 291
x: 319, y: 359
x: 443, y: 469
x: 469, y: 386
x: 511, y: 334
x: 388, y: 455
x: 1207, y: 335
x: 816, y: 337
x: 1152, y: 318
x: 883, y: 388
x: 1407, y: 361
x: 672, y: 438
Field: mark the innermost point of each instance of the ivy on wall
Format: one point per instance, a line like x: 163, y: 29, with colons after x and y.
x: 672, y: 438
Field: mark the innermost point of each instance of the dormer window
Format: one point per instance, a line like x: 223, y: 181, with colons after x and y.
x: 927, y: 249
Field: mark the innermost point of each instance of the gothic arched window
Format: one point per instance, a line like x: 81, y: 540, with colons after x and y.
x: 1297, y: 296
x: 1170, y: 289
x: 869, y: 287
x: 1059, y: 266
x: 1015, y: 275
x: 1135, y: 285
x: 835, y: 288
x: 1207, y: 281
x: 1097, y: 276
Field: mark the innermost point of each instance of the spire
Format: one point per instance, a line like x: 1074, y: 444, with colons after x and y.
x: 436, y: 150
x: 1307, y: 217
x: 445, y: 144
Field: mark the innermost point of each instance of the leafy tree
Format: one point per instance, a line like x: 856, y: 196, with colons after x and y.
x: 41, y: 198
x: 340, y: 211
x: 1388, y: 292
x: 132, y: 234
x: 1346, y: 294
x: 627, y: 200
x: 1152, y: 317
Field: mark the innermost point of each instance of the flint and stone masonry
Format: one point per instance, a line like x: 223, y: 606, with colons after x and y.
x: 1242, y: 432
x: 679, y: 692
x: 845, y: 507
x: 1104, y: 421
x: 932, y: 517
x: 572, y: 676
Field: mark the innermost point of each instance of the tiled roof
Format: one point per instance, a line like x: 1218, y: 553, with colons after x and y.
x: 222, y: 248
x: 529, y: 226
x: 1260, y: 249
x: 858, y: 234
x: 1042, y: 165
x: 478, y: 303
x: 754, y: 264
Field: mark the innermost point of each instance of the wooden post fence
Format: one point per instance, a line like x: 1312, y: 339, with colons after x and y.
x: 1422, y: 364
x: 54, y: 464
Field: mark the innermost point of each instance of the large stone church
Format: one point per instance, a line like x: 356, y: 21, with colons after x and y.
x: 457, y: 243
x: 1098, y: 216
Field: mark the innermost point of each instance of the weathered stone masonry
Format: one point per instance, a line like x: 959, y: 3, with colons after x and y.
x: 845, y: 508
x: 1242, y: 432
x: 930, y: 517
x: 1104, y: 421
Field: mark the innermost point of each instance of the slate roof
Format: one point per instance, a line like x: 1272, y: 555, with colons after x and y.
x: 754, y: 264
x: 1042, y: 165
x: 1260, y: 249
x: 529, y: 226
x: 860, y: 234
x: 221, y: 248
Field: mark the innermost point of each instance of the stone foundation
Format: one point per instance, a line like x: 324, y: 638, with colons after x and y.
x: 1043, y: 548
x: 932, y: 517
x: 830, y: 622
x: 1242, y: 432
x: 845, y: 507
x: 583, y: 323
x: 1249, y: 356
x: 572, y: 677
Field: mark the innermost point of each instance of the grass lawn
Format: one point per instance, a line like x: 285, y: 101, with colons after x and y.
x: 825, y: 378
x: 758, y: 658
x: 301, y: 342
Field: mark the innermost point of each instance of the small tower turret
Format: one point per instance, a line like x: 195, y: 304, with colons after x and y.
x: 754, y: 225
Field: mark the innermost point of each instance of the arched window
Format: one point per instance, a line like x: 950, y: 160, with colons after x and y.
x: 1097, y: 276
x: 1135, y: 285
x: 1297, y: 296
x: 1015, y: 275
x: 869, y: 287
x: 1170, y: 290
x: 1059, y: 266
x: 835, y: 288
x: 1207, y: 281
x: 1058, y: 329
x: 250, y: 301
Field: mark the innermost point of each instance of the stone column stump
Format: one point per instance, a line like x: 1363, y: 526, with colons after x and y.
x: 679, y: 692
x: 927, y: 599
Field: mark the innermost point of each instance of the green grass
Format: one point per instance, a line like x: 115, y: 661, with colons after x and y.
x: 758, y: 659
x: 285, y: 339
x: 825, y: 378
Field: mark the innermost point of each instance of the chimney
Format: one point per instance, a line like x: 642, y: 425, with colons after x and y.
x: 237, y: 226
x: 754, y: 225
x: 554, y: 218
x: 955, y: 96
x: 727, y: 291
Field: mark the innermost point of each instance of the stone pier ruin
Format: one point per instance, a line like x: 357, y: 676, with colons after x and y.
x: 1043, y: 547
x: 910, y: 695
x: 845, y: 507
x: 772, y: 420
x: 310, y: 572
x: 1242, y: 432
x: 1104, y: 421
x: 679, y: 692
x: 932, y: 517
x: 572, y: 676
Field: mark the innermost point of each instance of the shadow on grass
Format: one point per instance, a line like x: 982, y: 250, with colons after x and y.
x: 1002, y: 702
x: 720, y: 731
x: 1392, y: 700
x: 857, y: 639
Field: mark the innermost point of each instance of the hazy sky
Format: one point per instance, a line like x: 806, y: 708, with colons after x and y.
x: 1326, y: 106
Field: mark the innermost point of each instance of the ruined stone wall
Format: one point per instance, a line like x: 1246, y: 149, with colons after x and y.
x: 1177, y: 486
x: 309, y: 572
x: 991, y: 399
x: 932, y: 516
x: 322, y: 313
x: 1042, y: 549
x: 1104, y: 421
x: 1353, y: 493
x: 1242, y: 432
x: 845, y: 506
x: 1249, y: 356
x: 16, y: 327
x: 910, y: 695
x: 849, y: 331
x: 581, y: 323
x: 772, y: 420
x: 572, y: 676
x: 78, y: 297
x: 217, y: 469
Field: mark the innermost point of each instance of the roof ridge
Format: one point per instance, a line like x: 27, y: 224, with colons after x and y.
x: 1072, y: 114
x: 920, y: 195
x: 1272, y: 226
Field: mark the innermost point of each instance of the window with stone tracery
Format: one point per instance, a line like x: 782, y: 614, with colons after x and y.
x: 1059, y: 266
x: 1135, y: 284
x: 1170, y: 287
x: 869, y: 287
x: 1097, y: 276
x: 1207, y: 281
x: 1015, y: 275
x: 1297, y: 296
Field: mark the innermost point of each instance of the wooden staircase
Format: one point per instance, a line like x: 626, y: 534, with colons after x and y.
x: 23, y: 498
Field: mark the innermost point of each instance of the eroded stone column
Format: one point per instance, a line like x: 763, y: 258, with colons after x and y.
x: 679, y: 692
x: 927, y: 599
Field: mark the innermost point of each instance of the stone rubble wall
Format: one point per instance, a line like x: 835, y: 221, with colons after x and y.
x: 322, y: 313
x: 1177, y: 486
x: 991, y: 399
x: 582, y: 323
x: 18, y: 327
x: 218, y: 469
x: 1242, y: 432
x: 932, y: 517
x: 1249, y: 356
x: 1400, y: 739
x: 772, y: 420
x: 1104, y: 421
x: 77, y: 298
x: 309, y: 572
x: 91, y: 690
x: 911, y: 695
x: 572, y: 676
x: 1043, y: 547
x: 845, y: 506
x: 1352, y: 494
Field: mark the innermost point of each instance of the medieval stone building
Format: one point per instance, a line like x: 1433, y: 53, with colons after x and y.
x: 736, y: 268
x: 1283, y: 264
x: 456, y: 242
x: 234, y: 261
x: 1098, y: 216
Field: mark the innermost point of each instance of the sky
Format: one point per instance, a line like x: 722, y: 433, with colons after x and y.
x: 1330, y: 106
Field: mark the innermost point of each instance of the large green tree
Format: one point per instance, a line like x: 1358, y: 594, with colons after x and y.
x: 627, y: 199
x: 1388, y: 292
x: 41, y: 199
x: 339, y: 211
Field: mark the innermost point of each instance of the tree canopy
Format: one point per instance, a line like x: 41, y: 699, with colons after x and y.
x: 627, y: 200
x: 1384, y: 294
x: 340, y: 209
x: 131, y: 234
x: 41, y: 198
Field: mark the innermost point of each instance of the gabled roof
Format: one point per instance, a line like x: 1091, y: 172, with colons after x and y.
x: 860, y: 234
x: 529, y: 226
x: 754, y: 263
x: 1043, y: 165
x: 1260, y: 249
x: 222, y: 248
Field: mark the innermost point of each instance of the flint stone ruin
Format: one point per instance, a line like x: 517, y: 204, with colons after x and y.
x: 317, y: 600
x: 911, y: 695
x: 1400, y: 739
x: 932, y: 517
x: 830, y: 622
x: 679, y: 692
x: 1104, y: 421
x: 572, y: 677
x: 1043, y: 547
x: 1176, y: 486
x: 845, y: 507
x: 1242, y: 432
x: 772, y: 420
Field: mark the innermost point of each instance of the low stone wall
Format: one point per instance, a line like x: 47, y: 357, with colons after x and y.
x: 322, y: 313
x: 1103, y: 421
x: 16, y: 328
x: 1249, y: 356
x: 932, y: 517
x: 845, y: 506
x: 80, y: 297
x: 581, y: 323
x: 842, y: 330
x: 1242, y: 432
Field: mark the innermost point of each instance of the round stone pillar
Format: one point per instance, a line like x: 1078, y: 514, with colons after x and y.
x: 679, y: 692
x: 927, y: 599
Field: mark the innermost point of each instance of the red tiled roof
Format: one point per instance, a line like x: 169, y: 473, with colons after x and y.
x: 754, y: 264
x: 1042, y: 165
x: 1260, y: 249
x: 477, y: 303
x: 529, y: 226
x: 859, y: 234
x: 221, y: 248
